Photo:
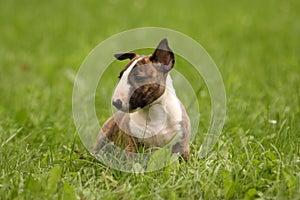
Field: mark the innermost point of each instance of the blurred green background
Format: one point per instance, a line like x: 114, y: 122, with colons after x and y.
x: 256, y: 46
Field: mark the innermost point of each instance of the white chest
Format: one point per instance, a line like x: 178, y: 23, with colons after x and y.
x: 160, y: 122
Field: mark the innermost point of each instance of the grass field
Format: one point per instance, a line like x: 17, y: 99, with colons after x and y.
x: 256, y: 45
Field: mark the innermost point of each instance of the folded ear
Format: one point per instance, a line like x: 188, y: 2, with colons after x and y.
x: 164, y: 55
x: 123, y: 56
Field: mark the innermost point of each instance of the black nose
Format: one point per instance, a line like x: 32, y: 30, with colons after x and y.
x: 117, y: 103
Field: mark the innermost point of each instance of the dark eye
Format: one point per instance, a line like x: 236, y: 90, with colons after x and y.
x: 139, y: 78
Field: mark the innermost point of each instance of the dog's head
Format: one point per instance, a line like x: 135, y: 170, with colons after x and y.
x: 143, y: 80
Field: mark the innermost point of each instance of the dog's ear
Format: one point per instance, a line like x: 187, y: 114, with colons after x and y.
x: 163, y: 54
x: 123, y: 56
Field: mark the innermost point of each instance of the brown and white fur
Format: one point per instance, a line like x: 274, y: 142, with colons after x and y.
x: 149, y: 112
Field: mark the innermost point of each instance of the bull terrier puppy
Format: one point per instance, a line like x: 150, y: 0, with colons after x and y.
x: 149, y: 113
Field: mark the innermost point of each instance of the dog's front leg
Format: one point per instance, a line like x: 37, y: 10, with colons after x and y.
x: 183, y: 149
x: 111, y: 132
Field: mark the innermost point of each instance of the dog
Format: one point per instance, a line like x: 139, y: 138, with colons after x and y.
x: 149, y: 113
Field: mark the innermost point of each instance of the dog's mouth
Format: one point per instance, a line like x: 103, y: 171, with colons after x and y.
x: 136, y: 105
x: 132, y: 107
x: 140, y: 98
x: 130, y: 110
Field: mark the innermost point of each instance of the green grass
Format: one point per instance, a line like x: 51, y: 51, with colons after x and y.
x: 256, y: 47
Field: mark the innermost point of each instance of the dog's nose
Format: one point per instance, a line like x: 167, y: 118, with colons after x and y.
x: 117, y: 103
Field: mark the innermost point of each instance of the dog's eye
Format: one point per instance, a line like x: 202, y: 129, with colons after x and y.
x: 139, y: 78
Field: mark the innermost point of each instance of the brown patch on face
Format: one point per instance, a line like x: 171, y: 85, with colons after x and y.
x: 145, y: 95
x: 147, y: 83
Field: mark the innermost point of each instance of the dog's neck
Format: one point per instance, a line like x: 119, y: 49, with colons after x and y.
x: 163, y: 112
x: 168, y: 100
